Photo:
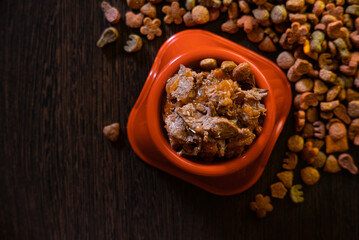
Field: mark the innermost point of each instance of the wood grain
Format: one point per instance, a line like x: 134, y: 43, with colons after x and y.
x: 61, y: 179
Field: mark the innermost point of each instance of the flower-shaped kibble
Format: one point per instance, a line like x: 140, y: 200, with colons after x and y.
x: 261, y: 205
x: 173, y: 13
x: 151, y: 28
x: 297, y: 33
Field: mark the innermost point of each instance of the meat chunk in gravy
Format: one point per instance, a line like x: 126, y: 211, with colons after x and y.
x: 208, y: 114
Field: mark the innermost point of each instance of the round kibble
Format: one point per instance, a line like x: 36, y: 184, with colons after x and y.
x: 295, y: 143
x: 200, y: 14
x: 285, y: 60
x: 309, y: 175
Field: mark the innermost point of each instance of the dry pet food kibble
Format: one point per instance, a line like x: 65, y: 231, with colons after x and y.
x: 310, y: 175
x: 108, y: 36
x: 151, y: 28
x: 261, y: 205
x: 134, y: 20
x: 291, y: 161
x: 296, y: 194
x: 111, y: 14
x: 286, y: 178
x: 331, y: 165
x: 346, y: 161
x: 134, y: 44
x: 173, y: 13
x: 112, y: 131
x: 278, y: 190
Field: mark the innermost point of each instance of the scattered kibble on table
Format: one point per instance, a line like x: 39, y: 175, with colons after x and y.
x: 317, y: 44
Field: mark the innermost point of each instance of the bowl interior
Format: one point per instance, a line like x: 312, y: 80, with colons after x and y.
x: 155, y: 100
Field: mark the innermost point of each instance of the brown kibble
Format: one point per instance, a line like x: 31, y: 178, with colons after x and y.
x: 317, y: 143
x: 312, y: 18
x: 230, y: 26
x: 353, y: 108
x: 267, y: 45
x: 208, y: 63
x: 312, y: 114
x: 248, y: 23
x: 329, y: 106
x: 331, y: 165
x: 295, y: 143
x: 318, y: 8
x: 233, y: 10
x: 135, y: 4
x: 319, y: 160
x: 244, y: 7
x: 326, y: 115
x: 291, y: 161
x: 278, y: 190
x: 346, y: 161
x: 112, y: 131
x: 108, y: 36
x: 299, y: 120
x: 298, y: 17
x: 332, y: 146
x: 261, y: 205
x: 309, y: 153
x: 299, y: 68
x: 353, y: 132
x: 326, y: 62
x: 134, y: 44
x: 256, y: 35
x: 134, y: 20
x: 327, y: 76
x: 304, y: 85
x: 337, y: 131
x: 352, y: 95
x: 151, y: 28
x: 332, y: 93
x: 111, y: 14
x: 188, y: 20
x: 341, y: 113
x: 285, y: 60
x: 305, y: 100
x: 213, y: 14
x: 295, y: 5
x: 319, y: 129
x: 336, y: 30
x: 297, y: 33
x: 309, y: 175
x: 286, y: 177
x: 173, y: 13
x: 200, y: 14
x: 320, y: 87
x: 308, y: 130
x: 334, y: 11
x: 149, y: 10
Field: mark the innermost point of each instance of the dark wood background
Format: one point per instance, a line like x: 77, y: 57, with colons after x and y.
x: 61, y: 179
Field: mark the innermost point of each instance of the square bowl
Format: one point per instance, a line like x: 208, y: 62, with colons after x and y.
x: 144, y: 127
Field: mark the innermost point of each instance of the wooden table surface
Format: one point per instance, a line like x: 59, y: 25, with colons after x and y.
x: 61, y: 179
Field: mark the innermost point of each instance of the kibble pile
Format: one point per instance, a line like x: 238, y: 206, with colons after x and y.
x: 317, y: 43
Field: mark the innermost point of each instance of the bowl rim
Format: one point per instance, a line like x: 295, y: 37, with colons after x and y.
x: 154, y: 109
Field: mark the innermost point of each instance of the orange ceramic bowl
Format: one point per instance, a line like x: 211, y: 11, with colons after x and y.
x: 159, y: 134
x: 149, y: 139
